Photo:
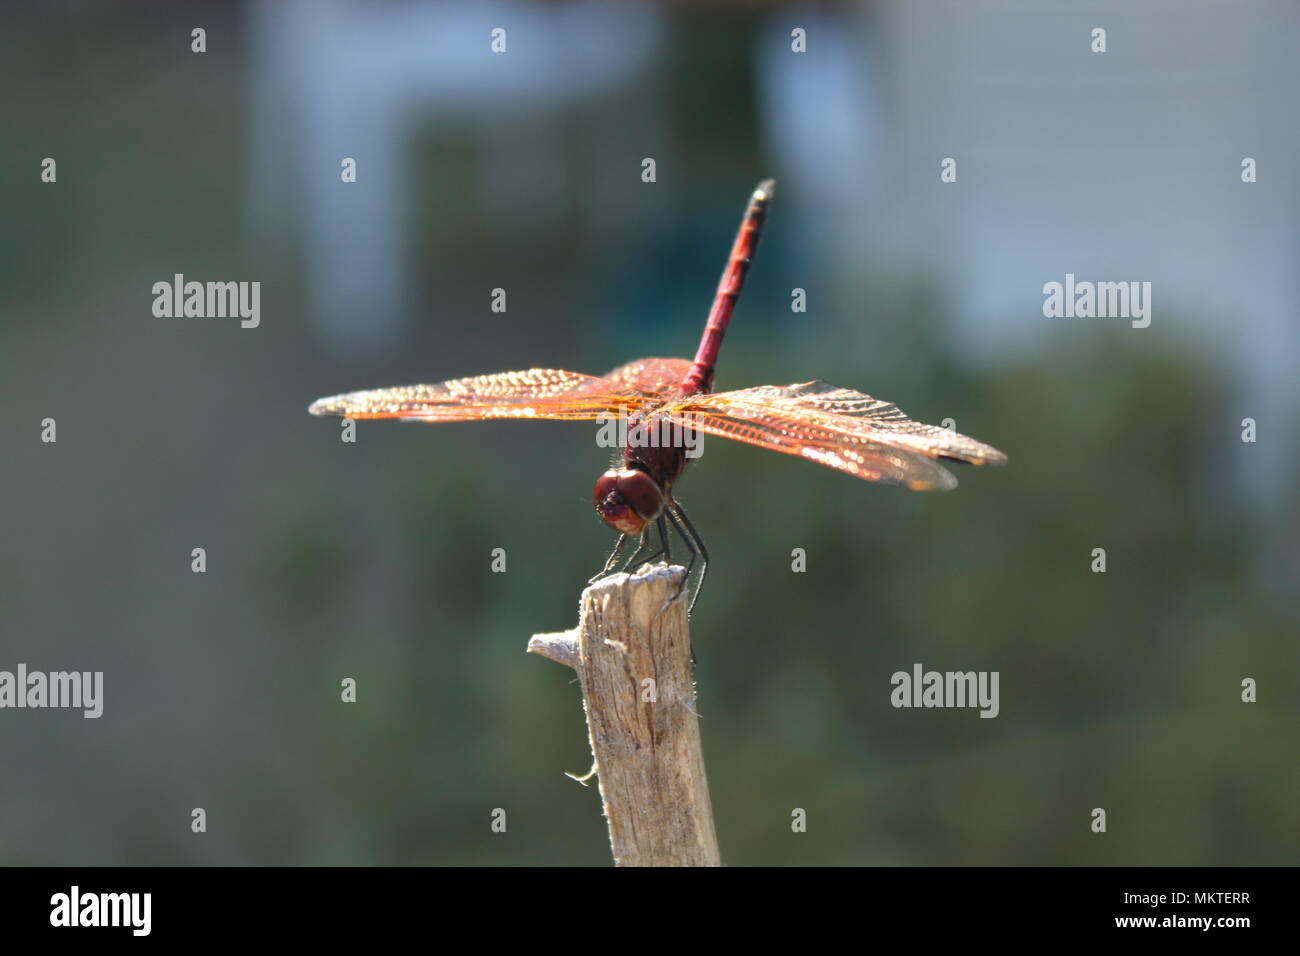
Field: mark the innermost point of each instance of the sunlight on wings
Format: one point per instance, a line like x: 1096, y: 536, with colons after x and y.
x: 842, y: 429
x: 533, y: 393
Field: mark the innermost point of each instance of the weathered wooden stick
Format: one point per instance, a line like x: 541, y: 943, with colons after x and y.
x: 632, y: 652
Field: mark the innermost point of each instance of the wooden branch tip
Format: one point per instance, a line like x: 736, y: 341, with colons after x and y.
x: 632, y: 652
x: 561, y: 647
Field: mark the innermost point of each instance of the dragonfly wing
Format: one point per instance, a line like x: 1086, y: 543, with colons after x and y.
x: 652, y: 377
x: 533, y: 393
x: 837, y: 427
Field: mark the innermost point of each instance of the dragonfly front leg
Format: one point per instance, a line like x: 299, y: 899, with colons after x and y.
x: 610, y: 561
x: 636, y: 559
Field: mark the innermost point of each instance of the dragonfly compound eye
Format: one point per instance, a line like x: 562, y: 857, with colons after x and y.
x: 627, y: 499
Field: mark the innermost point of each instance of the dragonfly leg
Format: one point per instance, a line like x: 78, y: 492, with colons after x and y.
x: 665, y: 547
x: 695, y: 543
x: 610, y: 561
x: 677, y: 526
x: 636, y: 559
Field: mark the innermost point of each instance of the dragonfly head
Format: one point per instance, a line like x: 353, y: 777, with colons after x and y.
x: 627, y: 500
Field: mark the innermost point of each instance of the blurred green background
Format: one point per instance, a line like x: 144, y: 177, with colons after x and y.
x: 523, y: 171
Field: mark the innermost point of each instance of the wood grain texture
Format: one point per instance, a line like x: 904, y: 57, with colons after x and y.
x: 631, y: 650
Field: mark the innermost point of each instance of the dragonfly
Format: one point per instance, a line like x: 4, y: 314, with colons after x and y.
x: 850, y: 431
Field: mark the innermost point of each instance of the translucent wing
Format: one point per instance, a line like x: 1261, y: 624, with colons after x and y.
x: 653, y: 377
x: 534, y: 393
x: 838, y: 427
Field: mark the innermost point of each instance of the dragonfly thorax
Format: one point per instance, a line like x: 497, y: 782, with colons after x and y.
x: 627, y: 499
x: 656, y: 446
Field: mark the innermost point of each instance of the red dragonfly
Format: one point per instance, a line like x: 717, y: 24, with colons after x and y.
x: 838, y: 427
